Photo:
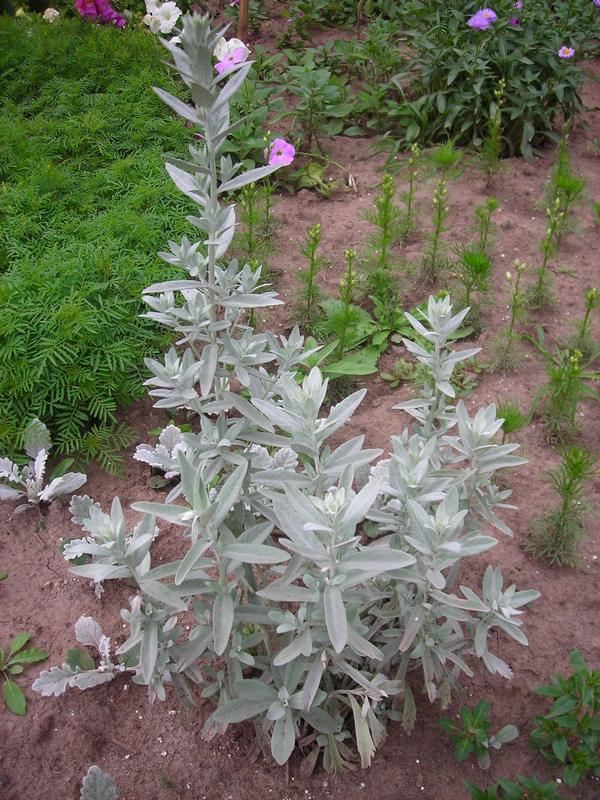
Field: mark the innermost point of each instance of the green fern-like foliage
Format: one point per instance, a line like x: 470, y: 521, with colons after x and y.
x: 85, y: 204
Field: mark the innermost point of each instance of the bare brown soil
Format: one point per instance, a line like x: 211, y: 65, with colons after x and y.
x: 156, y: 752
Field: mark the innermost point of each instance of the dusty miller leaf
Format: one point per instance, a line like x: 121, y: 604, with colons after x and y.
x: 99, y: 785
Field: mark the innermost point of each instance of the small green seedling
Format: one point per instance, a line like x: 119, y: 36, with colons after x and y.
x: 569, y: 733
x: 402, y: 372
x: 554, y: 535
x: 471, y: 734
x: 473, y: 273
x: 513, y: 418
x: 13, y: 663
x: 446, y: 158
x: 566, y: 387
x: 484, y: 224
x: 433, y: 260
x: 310, y: 294
x: 582, y: 338
x: 506, y: 353
x: 492, y: 145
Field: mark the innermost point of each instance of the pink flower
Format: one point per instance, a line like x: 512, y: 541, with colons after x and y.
x: 86, y: 8
x: 280, y: 153
x: 229, y: 60
x: 100, y: 10
x: 566, y: 52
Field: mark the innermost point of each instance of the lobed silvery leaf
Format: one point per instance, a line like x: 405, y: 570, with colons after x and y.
x: 28, y: 482
x: 99, y: 785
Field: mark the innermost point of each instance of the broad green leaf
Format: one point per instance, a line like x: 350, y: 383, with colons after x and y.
x: 29, y: 656
x: 559, y: 747
x: 19, y: 641
x: 463, y: 749
x: 80, y: 659
x: 14, y: 698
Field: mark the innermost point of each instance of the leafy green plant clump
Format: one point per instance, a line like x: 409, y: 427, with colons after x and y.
x: 13, y: 663
x: 471, y: 733
x: 569, y: 732
x: 85, y: 202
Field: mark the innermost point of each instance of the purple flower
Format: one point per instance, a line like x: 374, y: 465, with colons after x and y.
x: 280, y: 153
x: 519, y: 5
x: 515, y: 21
x: 566, y: 52
x: 482, y: 20
x: 597, y: 3
x: 229, y: 60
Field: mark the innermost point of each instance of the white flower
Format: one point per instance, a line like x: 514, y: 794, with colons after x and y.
x: 152, y: 22
x: 224, y: 48
x: 161, y: 18
x: 51, y: 15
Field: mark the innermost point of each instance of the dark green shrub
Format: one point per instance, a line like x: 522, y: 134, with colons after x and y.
x: 455, y: 71
x: 521, y: 789
x: 569, y: 732
x: 85, y: 203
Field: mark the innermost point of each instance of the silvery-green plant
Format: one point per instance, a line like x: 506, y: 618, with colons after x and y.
x: 98, y: 785
x: 29, y: 481
x: 163, y: 455
x: 80, y: 669
x: 300, y: 623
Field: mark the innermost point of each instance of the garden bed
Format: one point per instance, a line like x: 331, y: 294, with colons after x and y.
x: 157, y: 751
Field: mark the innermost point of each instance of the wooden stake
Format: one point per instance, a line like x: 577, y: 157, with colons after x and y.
x: 242, y: 31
